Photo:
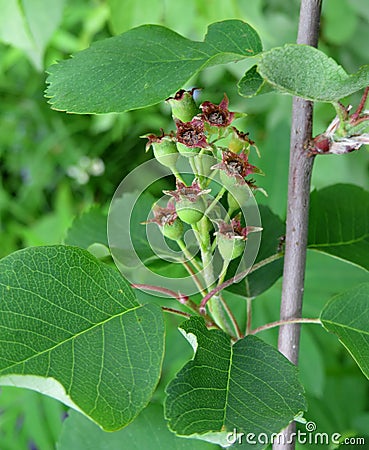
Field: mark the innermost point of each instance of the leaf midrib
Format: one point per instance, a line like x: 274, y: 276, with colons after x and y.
x: 341, y: 244
x: 68, y: 339
x: 227, y: 386
x: 344, y: 327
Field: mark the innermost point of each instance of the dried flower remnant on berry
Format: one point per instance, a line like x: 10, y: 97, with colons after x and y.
x: 164, y: 147
x: 191, y: 134
x: 164, y: 216
x: 182, y: 93
x: 240, y: 142
x: 154, y: 139
x: 235, y: 230
x: 217, y: 115
x: 236, y: 166
x: 190, y: 201
x: 190, y: 193
x: 168, y: 221
x: 329, y: 143
x: 231, y: 237
x: 344, y: 134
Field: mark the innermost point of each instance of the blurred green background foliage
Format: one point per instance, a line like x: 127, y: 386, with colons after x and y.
x: 54, y: 166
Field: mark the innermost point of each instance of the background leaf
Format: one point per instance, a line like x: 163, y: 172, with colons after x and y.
x: 339, y: 223
x: 347, y: 316
x: 29, y: 419
x: 88, y: 228
x: 125, y: 15
x: 143, y: 66
x: 149, y: 430
x: 311, y: 366
x: 136, y: 246
x: 73, y: 329
x: 340, y: 23
x: 127, y: 234
x: 306, y: 72
x: 247, y: 386
x: 29, y: 25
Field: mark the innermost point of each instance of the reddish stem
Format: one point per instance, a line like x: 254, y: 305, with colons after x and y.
x: 249, y: 316
x: 194, y: 277
x: 360, y: 108
x: 177, y: 295
x: 176, y: 311
x: 183, y: 299
x: 215, y: 291
x: 236, y: 279
x: 278, y: 323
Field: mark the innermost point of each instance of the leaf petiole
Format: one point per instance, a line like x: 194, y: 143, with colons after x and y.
x: 279, y: 323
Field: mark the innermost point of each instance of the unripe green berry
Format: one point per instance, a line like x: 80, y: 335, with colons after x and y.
x: 190, y: 203
x: 190, y: 212
x: 235, y: 144
x: 187, y: 151
x: 173, y: 231
x: 190, y: 215
x: 241, y: 191
x: 230, y: 248
x: 183, y: 105
x: 166, y: 152
x: 239, y: 141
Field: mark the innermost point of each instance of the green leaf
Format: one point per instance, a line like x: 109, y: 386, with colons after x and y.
x: 245, y: 386
x: 306, y: 72
x: 87, y: 229
x: 149, y: 430
x: 72, y: 328
x: 263, y: 278
x: 99, y: 251
x: 29, y: 25
x: 347, y: 316
x: 143, y: 66
x: 253, y: 84
x: 339, y: 223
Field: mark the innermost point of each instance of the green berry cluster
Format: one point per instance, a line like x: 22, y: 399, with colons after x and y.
x: 207, y: 139
x: 199, y: 130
